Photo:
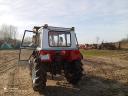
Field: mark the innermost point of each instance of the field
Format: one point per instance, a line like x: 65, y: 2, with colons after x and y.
x: 105, y: 74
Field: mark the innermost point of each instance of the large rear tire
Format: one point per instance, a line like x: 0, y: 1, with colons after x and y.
x: 39, y: 76
x: 73, y: 72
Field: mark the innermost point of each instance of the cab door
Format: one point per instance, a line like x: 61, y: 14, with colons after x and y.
x: 28, y: 44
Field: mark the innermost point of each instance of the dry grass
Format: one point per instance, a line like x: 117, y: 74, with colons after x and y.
x: 119, y: 54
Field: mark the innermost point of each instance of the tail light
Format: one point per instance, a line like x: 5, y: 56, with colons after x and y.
x: 45, y: 55
x: 63, y: 52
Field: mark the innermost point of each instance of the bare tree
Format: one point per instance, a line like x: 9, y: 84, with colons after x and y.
x: 13, y: 31
x: 4, y: 30
x: 97, y: 39
x: 8, y: 32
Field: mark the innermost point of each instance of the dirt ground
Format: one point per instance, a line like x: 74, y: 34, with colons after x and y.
x: 103, y: 76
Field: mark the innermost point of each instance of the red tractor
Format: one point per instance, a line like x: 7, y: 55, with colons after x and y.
x: 55, y: 51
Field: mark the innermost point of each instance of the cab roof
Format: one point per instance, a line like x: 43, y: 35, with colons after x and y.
x: 52, y: 28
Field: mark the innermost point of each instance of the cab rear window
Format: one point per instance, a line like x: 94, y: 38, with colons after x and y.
x: 59, y: 39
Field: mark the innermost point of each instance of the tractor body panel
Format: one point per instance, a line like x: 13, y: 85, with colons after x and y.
x: 68, y: 55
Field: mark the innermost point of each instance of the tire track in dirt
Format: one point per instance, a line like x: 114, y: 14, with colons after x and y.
x: 8, y: 64
x: 19, y: 83
x: 108, y: 70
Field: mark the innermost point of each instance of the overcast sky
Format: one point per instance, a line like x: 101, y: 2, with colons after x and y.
x: 106, y: 19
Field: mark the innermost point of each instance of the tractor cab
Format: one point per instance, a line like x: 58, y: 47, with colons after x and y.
x: 56, y: 38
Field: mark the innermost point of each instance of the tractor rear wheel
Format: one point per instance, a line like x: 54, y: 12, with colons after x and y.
x: 73, y: 72
x: 39, y: 75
